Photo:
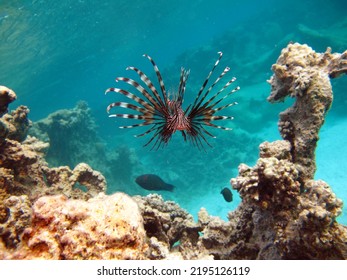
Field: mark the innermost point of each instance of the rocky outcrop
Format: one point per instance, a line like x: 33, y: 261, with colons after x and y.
x: 104, y: 227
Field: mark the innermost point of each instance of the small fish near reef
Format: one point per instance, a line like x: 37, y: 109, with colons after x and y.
x: 227, y: 194
x: 153, y: 182
x: 164, y: 110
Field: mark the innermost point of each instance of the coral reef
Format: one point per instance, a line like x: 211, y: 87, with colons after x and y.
x: 59, y: 213
x: 165, y: 224
x: 6, y: 97
x: 18, y: 217
x: 72, y: 137
x: 63, y: 130
x: 104, y: 227
x: 24, y: 171
x: 15, y: 125
x: 304, y: 74
x: 295, y: 224
x: 25, y: 176
x: 300, y: 212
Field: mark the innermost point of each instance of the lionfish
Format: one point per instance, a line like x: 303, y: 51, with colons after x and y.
x: 165, y: 115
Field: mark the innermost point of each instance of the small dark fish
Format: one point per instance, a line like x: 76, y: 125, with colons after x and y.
x: 227, y: 194
x: 153, y: 182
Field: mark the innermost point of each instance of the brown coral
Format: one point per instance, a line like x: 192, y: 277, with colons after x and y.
x: 70, y: 182
x: 302, y: 73
x: 6, y: 97
x: 18, y: 217
x: 104, y: 227
x: 166, y: 222
x: 24, y: 171
x: 293, y: 213
x: 273, y: 182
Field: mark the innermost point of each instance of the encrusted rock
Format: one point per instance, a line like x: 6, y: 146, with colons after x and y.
x: 6, y: 97
x: 27, y: 172
x: 302, y: 73
x: 104, y: 227
x: 165, y: 220
x: 18, y: 210
x: 292, y: 216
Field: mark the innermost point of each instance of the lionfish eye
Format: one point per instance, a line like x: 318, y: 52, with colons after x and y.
x: 163, y: 112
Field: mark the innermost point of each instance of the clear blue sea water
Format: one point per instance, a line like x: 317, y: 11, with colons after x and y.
x: 55, y: 53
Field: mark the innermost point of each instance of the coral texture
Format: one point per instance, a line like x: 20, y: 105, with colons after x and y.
x: 15, y: 125
x: 104, y: 227
x: 296, y: 215
x: 63, y: 130
x: 295, y: 224
x: 25, y: 176
x: 18, y: 217
x: 165, y: 224
x: 72, y: 137
x: 26, y: 172
x: 6, y: 97
x: 284, y: 213
x: 302, y: 73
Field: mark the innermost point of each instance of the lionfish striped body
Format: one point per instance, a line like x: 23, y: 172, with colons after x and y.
x: 165, y: 115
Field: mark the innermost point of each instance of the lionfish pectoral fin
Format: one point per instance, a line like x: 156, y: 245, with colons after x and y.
x: 184, y: 135
x: 218, y: 126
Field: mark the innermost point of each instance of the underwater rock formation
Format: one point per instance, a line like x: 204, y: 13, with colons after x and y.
x: 284, y: 213
x: 15, y: 125
x: 295, y: 224
x: 301, y: 213
x: 6, y: 97
x: 304, y: 74
x: 16, y: 220
x: 104, y: 227
x: 71, y: 134
x: 72, y: 137
x: 165, y: 224
x: 25, y: 171
x: 25, y: 176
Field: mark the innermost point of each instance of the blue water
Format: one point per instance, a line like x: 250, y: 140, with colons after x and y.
x: 55, y: 53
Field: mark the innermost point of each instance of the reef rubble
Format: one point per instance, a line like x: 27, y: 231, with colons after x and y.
x: 284, y: 213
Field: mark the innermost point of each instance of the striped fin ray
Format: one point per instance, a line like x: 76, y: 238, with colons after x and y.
x: 218, y: 126
x: 207, y: 79
x: 142, y: 90
x: 182, y: 86
x: 130, y: 96
x: 220, y: 91
x: 198, y: 136
x: 226, y: 70
x: 224, y: 97
x: 136, y: 125
x: 159, y: 140
x: 126, y: 105
x: 214, y: 118
x: 147, y: 131
x: 222, y: 107
x: 150, y: 85
x: 160, y: 78
x: 129, y: 116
